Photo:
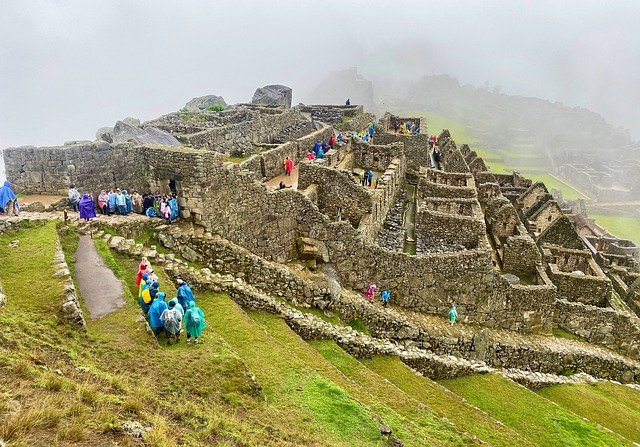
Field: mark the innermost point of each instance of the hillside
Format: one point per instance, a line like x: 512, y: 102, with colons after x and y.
x: 252, y: 382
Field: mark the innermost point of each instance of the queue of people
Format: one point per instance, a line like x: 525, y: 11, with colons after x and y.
x: 169, y: 317
x: 407, y: 128
x: 8, y: 200
x: 117, y: 201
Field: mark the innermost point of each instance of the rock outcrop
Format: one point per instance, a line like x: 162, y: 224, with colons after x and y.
x: 202, y: 102
x: 123, y: 132
x: 273, y: 95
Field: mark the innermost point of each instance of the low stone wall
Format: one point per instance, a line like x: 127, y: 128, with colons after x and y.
x: 71, y: 309
x: 339, y: 196
x: 449, y: 228
x: 227, y: 258
x: 434, y: 183
x: 240, y: 138
x: 614, y: 329
x: 581, y: 288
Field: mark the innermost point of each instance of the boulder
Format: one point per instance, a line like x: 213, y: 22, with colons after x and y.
x: 273, y: 95
x: 105, y: 134
x: 202, y: 102
x: 35, y: 207
x: 135, y: 122
x: 123, y: 132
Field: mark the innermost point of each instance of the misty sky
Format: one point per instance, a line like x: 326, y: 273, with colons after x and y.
x: 69, y: 67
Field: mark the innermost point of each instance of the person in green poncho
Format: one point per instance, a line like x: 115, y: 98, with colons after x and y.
x: 194, y: 322
x: 453, y: 314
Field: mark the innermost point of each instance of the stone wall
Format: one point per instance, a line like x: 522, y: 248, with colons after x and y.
x: 239, y: 138
x: 416, y: 147
x: 520, y: 255
x: 270, y: 163
x: 617, y: 330
x: 435, y: 225
x: 577, y: 276
x: 339, y: 195
x: 433, y: 183
x: 374, y: 156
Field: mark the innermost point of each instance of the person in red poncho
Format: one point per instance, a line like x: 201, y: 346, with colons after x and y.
x: 288, y: 166
x: 332, y: 140
x: 142, y: 269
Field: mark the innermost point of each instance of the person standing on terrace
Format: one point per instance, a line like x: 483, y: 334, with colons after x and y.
x: 288, y: 166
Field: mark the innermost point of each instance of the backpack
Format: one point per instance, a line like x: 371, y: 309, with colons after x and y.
x: 195, y: 317
x: 171, y: 316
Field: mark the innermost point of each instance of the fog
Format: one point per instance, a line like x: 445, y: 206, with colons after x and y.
x: 70, y: 67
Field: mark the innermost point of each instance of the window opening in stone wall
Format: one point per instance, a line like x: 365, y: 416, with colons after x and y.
x: 172, y: 186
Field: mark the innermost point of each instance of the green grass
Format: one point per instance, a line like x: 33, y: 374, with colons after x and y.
x: 306, y: 399
x: 444, y: 402
x: 237, y: 159
x: 415, y: 425
x: 188, y: 395
x: 535, y: 418
x: 626, y: 227
x: 614, y: 406
x: 561, y: 333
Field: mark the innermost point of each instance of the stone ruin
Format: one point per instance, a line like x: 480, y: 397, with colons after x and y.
x: 497, y: 245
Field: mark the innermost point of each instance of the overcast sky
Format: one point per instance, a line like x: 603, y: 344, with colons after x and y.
x: 70, y: 67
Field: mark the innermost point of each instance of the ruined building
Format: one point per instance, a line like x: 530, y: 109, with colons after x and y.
x: 498, y: 246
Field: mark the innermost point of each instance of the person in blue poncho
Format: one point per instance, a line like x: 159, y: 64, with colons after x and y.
x: 8, y: 200
x: 128, y: 201
x: 185, y: 294
x: 144, y: 295
x: 155, y: 312
x: 111, y: 201
x: 173, y: 209
x: 385, y: 296
x: 194, y: 322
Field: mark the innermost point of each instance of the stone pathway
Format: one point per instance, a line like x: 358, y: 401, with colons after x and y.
x: 102, y: 292
x: 289, y: 180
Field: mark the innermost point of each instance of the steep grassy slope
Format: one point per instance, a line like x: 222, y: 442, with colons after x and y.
x: 614, y: 406
x: 536, y: 419
x: 442, y: 401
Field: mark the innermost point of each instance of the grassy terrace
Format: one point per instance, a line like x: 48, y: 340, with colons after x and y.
x: 252, y: 381
x: 626, y: 227
x: 536, y: 419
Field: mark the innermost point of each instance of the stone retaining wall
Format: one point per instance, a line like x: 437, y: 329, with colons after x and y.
x: 71, y: 309
x: 617, y: 330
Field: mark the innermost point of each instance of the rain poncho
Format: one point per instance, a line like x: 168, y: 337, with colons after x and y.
x: 142, y: 270
x: 155, y: 311
x: 453, y: 314
x: 6, y: 195
x: 151, y: 212
x: 194, y: 320
x: 172, y: 319
x: 87, y: 208
x: 112, y: 201
x: 177, y: 305
x: 185, y: 295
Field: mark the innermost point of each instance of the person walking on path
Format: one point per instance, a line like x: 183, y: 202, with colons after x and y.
x: 288, y: 166
x: 158, y: 306
x: 185, y: 294
x: 74, y: 197
x: 453, y: 314
x: 371, y: 292
x: 385, y: 296
x: 194, y: 322
x: 171, y: 318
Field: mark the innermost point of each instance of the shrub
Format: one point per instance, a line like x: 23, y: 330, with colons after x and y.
x: 216, y: 108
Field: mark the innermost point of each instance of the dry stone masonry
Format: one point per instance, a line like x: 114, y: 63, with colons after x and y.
x: 499, y: 246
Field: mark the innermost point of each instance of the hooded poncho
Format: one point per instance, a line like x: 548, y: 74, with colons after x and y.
x: 155, y: 311
x: 87, y: 208
x: 6, y: 195
x: 194, y: 320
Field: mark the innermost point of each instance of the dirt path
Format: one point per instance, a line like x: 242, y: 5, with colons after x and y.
x: 102, y: 291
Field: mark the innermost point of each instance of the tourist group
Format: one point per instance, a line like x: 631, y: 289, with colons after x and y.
x: 168, y: 317
x: 118, y: 201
